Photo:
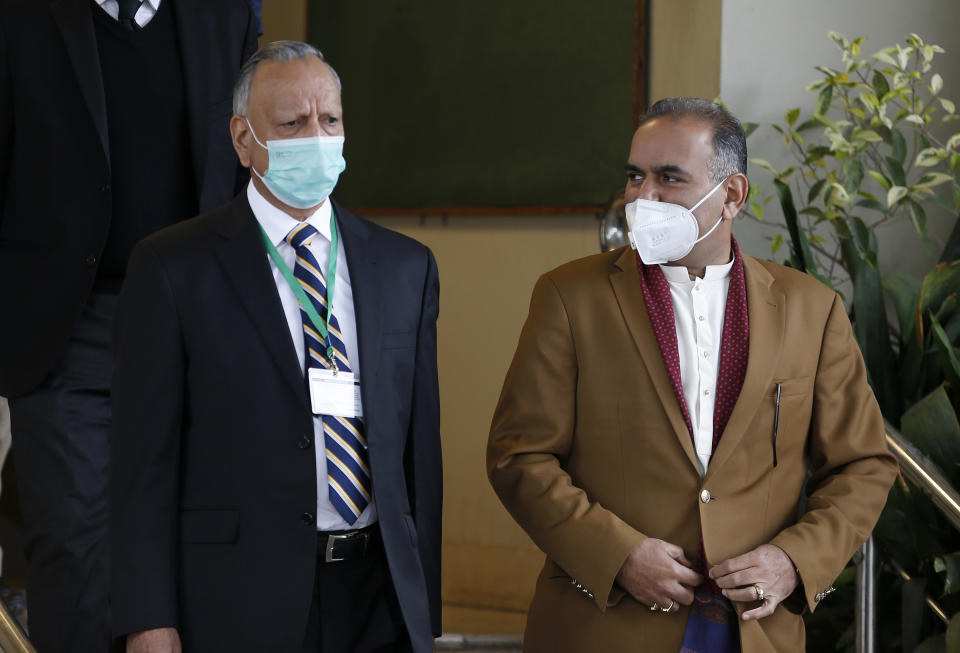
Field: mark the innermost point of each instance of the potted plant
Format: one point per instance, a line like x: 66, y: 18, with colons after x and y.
x: 879, y: 147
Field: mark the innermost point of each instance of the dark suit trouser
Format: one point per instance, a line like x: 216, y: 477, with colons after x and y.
x: 61, y: 440
x: 354, y: 607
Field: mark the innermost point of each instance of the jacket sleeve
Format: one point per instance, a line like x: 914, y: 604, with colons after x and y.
x: 851, y: 467
x: 423, y: 458
x: 531, y: 436
x: 145, y: 450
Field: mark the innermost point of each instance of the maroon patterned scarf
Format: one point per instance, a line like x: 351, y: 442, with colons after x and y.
x: 733, y: 348
x: 712, y: 624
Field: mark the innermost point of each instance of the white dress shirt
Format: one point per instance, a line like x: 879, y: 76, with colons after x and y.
x: 277, y: 225
x: 698, y: 309
x: 144, y: 14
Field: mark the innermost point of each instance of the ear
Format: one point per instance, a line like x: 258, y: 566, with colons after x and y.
x: 736, y: 188
x: 241, y: 137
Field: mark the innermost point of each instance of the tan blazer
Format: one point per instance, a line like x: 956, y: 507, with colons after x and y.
x: 590, y: 453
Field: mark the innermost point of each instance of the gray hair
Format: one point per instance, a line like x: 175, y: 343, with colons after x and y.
x: 276, y: 51
x: 729, y: 141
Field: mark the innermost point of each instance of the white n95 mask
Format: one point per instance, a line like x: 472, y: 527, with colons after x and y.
x: 662, y: 232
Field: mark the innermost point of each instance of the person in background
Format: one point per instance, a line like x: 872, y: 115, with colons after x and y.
x: 113, y: 124
x: 277, y: 425
x: 663, y: 410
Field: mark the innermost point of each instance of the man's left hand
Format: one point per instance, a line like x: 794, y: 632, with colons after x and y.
x: 768, y: 567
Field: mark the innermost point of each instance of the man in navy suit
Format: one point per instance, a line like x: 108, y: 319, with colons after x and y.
x: 276, y: 405
x: 113, y: 124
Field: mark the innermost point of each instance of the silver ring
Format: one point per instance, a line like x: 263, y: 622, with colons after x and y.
x: 759, y: 591
x: 669, y: 609
x: 654, y: 607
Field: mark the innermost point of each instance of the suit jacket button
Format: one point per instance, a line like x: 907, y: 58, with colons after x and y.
x: 304, y: 442
x: 307, y: 518
x: 705, y: 496
x: 91, y: 260
x: 105, y: 188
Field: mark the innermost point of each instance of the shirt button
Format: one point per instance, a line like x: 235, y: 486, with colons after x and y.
x: 91, y: 260
x: 307, y: 518
x: 701, y: 318
x: 706, y: 354
x: 304, y: 443
x: 105, y: 188
x: 705, y: 496
x: 706, y: 392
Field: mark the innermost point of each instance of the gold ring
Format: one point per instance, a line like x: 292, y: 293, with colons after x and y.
x: 669, y: 609
x: 654, y: 607
x: 759, y: 591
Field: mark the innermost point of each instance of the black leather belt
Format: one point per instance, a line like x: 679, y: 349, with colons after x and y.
x: 336, y: 546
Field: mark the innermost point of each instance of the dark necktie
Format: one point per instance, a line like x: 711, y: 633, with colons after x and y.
x: 128, y: 9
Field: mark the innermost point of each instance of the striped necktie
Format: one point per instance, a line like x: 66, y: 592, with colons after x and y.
x: 348, y: 467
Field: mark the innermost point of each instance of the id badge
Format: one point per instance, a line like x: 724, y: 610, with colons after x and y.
x: 334, y: 394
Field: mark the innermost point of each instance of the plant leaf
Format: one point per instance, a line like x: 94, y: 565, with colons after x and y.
x: 823, y: 102
x: 776, y: 244
x: 853, y: 172
x: 880, y: 179
x: 951, y: 252
x: 899, y: 146
x: 933, y: 644
x: 931, y: 179
x: 880, y: 85
x: 912, y: 607
x: 791, y: 116
x: 949, y: 362
x: 815, y: 190
x: 931, y: 424
x: 904, y: 290
x: 940, y: 283
x: 895, y: 168
x: 953, y: 635
x: 895, y: 194
x: 936, y: 83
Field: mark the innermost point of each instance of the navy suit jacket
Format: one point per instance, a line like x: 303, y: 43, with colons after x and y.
x: 55, y: 192
x: 212, y: 491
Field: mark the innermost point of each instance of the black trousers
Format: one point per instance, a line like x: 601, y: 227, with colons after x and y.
x: 61, y: 442
x: 354, y: 607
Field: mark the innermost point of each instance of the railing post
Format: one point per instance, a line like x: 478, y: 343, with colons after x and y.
x: 866, y: 603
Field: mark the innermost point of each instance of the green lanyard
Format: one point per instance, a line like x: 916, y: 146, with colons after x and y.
x: 322, y: 327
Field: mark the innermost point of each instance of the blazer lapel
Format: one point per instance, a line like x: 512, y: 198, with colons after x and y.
x: 766, y: 310
x: 75, y: 22
x: 244, y: 259
x: 366, y: 281
x: 626, y: 286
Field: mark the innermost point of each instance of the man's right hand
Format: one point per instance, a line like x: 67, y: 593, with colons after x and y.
x: 657, y: 572
x: 157, y: 640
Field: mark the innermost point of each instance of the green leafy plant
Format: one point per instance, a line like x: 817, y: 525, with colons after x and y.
x: 878, y: 147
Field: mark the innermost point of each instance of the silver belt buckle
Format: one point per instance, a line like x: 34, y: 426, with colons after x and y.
x: 330, y: 540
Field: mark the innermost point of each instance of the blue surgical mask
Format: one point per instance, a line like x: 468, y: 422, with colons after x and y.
x: 302, y: 172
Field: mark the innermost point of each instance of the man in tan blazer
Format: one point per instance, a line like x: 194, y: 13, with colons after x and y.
x: 655, y: 446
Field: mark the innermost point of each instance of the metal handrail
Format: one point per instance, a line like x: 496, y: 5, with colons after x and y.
x: 12, y: 637
x: 921, y: 472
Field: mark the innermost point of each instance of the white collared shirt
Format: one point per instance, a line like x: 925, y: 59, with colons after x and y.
x: 698, y: 309
x: 144, y: 14
x: 277, y: 225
